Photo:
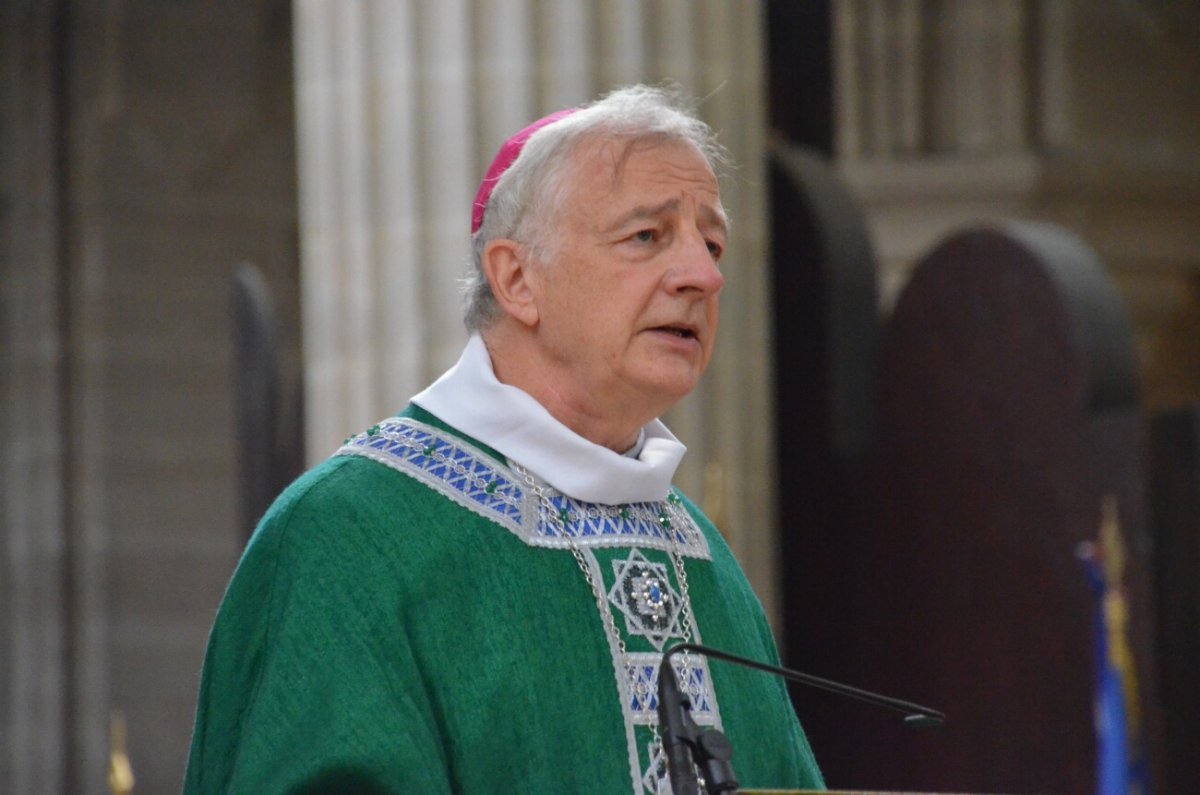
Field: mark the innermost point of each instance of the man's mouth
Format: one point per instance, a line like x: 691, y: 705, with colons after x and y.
x: 683, y: 332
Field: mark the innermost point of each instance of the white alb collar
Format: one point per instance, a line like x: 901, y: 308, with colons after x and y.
x: 469, y: 398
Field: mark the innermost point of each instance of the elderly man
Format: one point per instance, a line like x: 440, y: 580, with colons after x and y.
x: 474, y: 595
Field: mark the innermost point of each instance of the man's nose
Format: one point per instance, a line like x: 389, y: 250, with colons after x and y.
x: 695, y: 268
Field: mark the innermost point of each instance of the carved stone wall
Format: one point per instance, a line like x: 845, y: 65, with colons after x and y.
x: 147, y: 150
x: 1084, y: 114
x: 1080, y: 113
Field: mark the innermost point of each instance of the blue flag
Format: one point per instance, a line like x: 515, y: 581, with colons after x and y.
x: 1120, y: 764
x: 1112, y: 749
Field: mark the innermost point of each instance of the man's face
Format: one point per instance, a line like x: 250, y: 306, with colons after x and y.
x: 627, y: 305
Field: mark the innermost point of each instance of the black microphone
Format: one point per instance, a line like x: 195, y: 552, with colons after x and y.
x: 686, y: 746
x: 677, y: 731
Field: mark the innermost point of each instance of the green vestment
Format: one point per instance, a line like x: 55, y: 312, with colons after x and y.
x: 410, y: 617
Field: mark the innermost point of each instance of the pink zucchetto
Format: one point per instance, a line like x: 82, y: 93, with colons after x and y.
x: 503, y: 159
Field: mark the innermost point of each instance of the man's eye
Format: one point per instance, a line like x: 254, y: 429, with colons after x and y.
x: 644, y: 236
x: 715, y: 249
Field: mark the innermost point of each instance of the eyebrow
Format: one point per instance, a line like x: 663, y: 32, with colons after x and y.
x: 708, y: 214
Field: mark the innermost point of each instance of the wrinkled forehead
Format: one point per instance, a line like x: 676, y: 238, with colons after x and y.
x: 609, y: 155
x: 590, y: 182
x: 598, y: 167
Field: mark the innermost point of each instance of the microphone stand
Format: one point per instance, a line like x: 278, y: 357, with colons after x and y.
x: 687, y: 746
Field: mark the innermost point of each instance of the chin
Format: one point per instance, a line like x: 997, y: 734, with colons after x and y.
x: 668, y: 392
x: 664, y: 382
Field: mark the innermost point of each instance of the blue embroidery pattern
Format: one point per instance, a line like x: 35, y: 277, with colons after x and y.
x: 641, y: 589
x: 643, y: 593
x: 493, y: 490
x: 642, y: 675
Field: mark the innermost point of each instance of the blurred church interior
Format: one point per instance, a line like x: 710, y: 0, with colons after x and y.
x: 962, y: 314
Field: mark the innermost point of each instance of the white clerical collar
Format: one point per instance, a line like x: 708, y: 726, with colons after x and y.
x: 469, y: 398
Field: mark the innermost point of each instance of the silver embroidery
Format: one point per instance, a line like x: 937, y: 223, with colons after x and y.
x: 641, y: 590
x: 656, y: 780
x: 642, y: 685
x: 643, y: 593
x: 473, y: 479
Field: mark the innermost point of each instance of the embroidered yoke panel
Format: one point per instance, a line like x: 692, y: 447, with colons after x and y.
x: 629, y: 551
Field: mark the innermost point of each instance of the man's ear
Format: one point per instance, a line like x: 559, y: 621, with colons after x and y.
x: 506, y: 265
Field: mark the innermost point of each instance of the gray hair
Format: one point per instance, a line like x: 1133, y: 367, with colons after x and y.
x: 523, y: 197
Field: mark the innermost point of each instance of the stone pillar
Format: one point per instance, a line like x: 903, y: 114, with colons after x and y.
x: 400, y: 108
x: 33, y: 622
x: 915, y: 78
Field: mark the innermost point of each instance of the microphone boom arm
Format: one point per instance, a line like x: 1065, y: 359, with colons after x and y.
x: 914, y: 714
x: 687, y: 746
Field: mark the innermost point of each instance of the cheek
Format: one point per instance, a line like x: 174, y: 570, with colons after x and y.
x: 710, y: 345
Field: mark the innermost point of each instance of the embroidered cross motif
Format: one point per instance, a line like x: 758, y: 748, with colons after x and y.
x: 645, y: 597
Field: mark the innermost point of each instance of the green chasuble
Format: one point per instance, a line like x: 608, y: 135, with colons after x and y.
x: 412, y: 616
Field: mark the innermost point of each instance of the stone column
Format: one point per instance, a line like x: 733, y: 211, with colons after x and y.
x: 915, y: 78
x: 33, y: 628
